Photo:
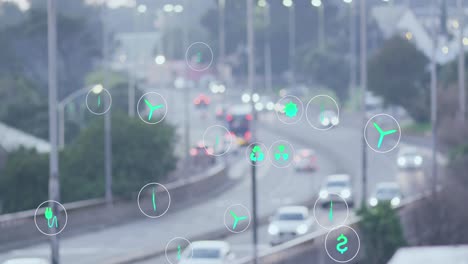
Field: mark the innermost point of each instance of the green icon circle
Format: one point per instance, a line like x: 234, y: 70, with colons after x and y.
x: 281, y: 153
x: 256, y: 153
x: 152, y: 108
x: 49, y: 219
x: 378, y: 133
x: 98, y: 100
x: 289, y: 109
x: 178, y: 245
x: 340, y: 244
x: 322, y: 112
x: 151, y: 197
x: 237, y: 218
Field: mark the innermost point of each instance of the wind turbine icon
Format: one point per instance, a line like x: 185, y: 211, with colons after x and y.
x: 237, y: 219
x: 382, y: 134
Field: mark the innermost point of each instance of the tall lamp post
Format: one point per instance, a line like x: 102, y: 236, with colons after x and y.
x: 461, y: 62
x: 321, y: 22
x: 363, y: 77
x: 352, y: 47
x: 268, y: 71
x: 292, y: 38
x: 54, y: 185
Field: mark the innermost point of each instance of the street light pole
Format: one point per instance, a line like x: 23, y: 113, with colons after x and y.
x: 434, y: 103
x: 107, y: 117
x: 321, y: 25
x: 222, y: 29
x: 363, y: 77
x: 54, y: 185
x: 186, y: 91
x: 251, y: 79
x: 292, y: 42
x: 268, y: 70
x: 461, y: 63
x: 352, y: 48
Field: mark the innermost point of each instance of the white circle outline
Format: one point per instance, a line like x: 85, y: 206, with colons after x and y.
x: 167, y: 246
x: 292, y: 156
x: 108, y: 108
x: 165, y: 107
x: 307, y: 110
x: 168, y: 204
x: 358, y: 239
x: 344, y: 221
x: 301, y: 109
x: 66, y: 218
x: 247, y: 154
x: 186, y: 56
x: 248, y: 212
x: 399, y: 133
x: 230, y: 140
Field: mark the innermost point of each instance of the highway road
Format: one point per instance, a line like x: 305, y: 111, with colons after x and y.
x: 338, y: 151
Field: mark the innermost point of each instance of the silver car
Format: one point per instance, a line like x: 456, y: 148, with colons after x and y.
x: 289, y: 222
x: 339, y: 184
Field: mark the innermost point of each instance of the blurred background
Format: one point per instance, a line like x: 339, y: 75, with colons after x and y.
x: 229, y: 65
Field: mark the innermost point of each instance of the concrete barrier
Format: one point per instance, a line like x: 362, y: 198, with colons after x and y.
x: 19, y: 230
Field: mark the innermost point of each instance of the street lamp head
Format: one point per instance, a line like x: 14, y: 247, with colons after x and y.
x: 97, y: 89
x: 168, y: 8
x: 160, y: 59
x: 348, y: 1
x: 316, y: 3
x: 178, y: 8
x: 141, y: 8
x: 287, y: 3
x: 262, y: 3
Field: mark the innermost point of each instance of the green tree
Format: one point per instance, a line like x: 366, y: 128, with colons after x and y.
x: 397, y: 72
x: 141, y: 154
x: 381, y: 233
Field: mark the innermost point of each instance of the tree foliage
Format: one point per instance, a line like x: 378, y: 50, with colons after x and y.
x: 141, y: 154
x: 397, y: 72
x: 382, y: 233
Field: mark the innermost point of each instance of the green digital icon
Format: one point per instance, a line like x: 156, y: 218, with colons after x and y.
x: 179, y: 251
x: 237, y: 219
x: 330, y: 213
x: 152, y: 108
x: 340, y: 247
x: 382, y: 134
x: 281, y: 153
x: 99, y: 101
x: 199, y: 57
x: 290, y: 109
x: 49, y: 215
x: 257, y: 154
x: 154, y: 200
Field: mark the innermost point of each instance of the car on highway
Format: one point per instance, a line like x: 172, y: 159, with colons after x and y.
x: 409, y: 158
x: 289, y: 222
x: 386, y: 192
x: 207, y: 252
x: 201, y: 101
x: 239, y: 119
x: 305, y: 160
x: 328, y: 119
x: 202, y: 155
x: 341, y: 186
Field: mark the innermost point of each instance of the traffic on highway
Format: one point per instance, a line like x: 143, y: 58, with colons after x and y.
x: 233, y: 132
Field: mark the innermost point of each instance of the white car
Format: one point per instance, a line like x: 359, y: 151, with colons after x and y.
x: 207, y: 252
x: 386, y: 192
x: 288, y: 223
x: 328, y: 119
x: 409, y: 158
x: 339, y: 184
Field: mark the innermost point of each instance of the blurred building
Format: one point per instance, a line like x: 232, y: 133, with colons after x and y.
x: 417, y: 25
x: 431, y: 255
x: 13, y: 139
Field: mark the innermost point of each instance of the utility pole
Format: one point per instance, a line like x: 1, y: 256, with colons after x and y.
x: 222, y: 29
x: 268, y: 70
x: 251, y: 85
x: 186, y: 91
x: 292, y: 42
x: 321, y: 26
x: 461, y: 63
x: 363, y: 77
x: 107, y: 116
x: 131, y: 71
x: 434, y: 103
x: 54, y: 184
x: 352, y: 48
